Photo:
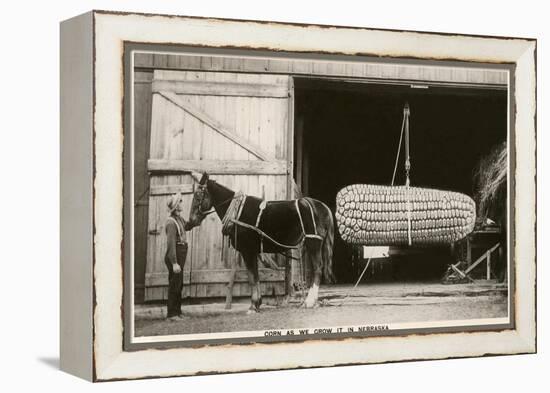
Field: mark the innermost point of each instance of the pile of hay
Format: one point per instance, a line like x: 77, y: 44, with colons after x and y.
x: 490, y: 185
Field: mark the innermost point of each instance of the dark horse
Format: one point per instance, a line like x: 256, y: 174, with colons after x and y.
x: 281, y: 223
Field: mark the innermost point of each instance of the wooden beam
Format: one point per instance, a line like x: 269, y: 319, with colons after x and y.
x: 481, y: 258
x: 143, y: 77
x: 268, y: 262
x: 171, y: 189
x: 411, y: 73
x: 216, y: 290
x: 289, y: 138
x: 202, y: 116
x: 305, y: 172
x: 218, y: 167
x: 461, y: 273
x: 224, y: 89
x: 299, y: 136
x: 216, y: 276
x: 468, y: 251
x: 488, y: 266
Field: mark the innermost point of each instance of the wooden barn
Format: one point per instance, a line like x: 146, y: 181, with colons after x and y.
x: 282, y: 128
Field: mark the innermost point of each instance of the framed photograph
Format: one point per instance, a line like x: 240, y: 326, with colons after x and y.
x: 241, y: 195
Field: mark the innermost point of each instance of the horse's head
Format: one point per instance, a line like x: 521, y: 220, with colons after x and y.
x: 202, y: 202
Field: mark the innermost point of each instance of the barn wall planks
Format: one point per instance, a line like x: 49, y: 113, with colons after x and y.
x: 352, y: 69
x: 142, y: 129
x: 171, y: 189
x: 219, y: 167
x: 250, y: 98
x: 216, y: 276
x: 239, y: 139
x: 221, y: 89
x: 198, y: 292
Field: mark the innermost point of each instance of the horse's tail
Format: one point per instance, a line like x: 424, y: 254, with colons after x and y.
x: 327, y: 249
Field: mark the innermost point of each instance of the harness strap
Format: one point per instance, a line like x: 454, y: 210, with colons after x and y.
x: 234, y: 211
x: 307, y: 235
x: 231, y: 220
x: 312, y: 217
x: 315, y: 236
x: 180, y: 238
x: 263, y: 234
x: 300, y: 216
x: 262, y: 207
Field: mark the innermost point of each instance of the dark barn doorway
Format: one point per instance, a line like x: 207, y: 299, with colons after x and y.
x: 348, y: 132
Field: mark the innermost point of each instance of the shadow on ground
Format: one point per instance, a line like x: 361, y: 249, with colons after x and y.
x: 52, y: 362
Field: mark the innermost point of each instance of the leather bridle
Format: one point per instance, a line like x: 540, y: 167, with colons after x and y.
x: 202, y: 195
x: 202, y: 190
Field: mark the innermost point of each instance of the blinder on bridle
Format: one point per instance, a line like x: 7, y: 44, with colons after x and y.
x: 201, y: 194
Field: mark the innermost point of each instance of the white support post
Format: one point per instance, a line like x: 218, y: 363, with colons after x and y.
x: 489, y: 265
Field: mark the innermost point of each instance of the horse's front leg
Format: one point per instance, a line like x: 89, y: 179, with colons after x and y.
x: 313, y: 259
x: 251, y: 262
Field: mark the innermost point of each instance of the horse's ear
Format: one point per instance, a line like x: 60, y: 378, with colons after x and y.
x: 204, y: 178
x: 196, y: 176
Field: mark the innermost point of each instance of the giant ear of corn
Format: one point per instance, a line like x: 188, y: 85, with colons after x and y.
x: 374, y: 215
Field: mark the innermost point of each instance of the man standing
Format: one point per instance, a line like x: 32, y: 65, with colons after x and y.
x: 176, y: 252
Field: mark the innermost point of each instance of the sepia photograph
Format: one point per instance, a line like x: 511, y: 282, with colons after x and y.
x: 261, y: 196
x: 281, y: 197
x: 273, y: 196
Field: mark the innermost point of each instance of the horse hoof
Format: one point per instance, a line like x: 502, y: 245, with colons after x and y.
x: 252, y: 311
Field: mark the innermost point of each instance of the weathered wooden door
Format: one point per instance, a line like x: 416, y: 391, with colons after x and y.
x: 234, y: 126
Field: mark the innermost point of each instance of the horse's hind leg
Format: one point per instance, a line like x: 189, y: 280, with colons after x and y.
x: 251, y: 261
x: 314, y: 259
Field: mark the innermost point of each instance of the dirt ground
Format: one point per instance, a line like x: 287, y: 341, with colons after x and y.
x: 339, y: 305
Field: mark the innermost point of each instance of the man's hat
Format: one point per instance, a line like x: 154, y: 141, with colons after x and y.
x: 173, y: 201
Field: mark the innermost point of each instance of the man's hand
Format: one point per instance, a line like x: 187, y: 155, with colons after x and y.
x: 176, y: 268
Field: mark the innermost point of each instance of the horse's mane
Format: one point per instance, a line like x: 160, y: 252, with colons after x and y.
x: 219, y: 194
